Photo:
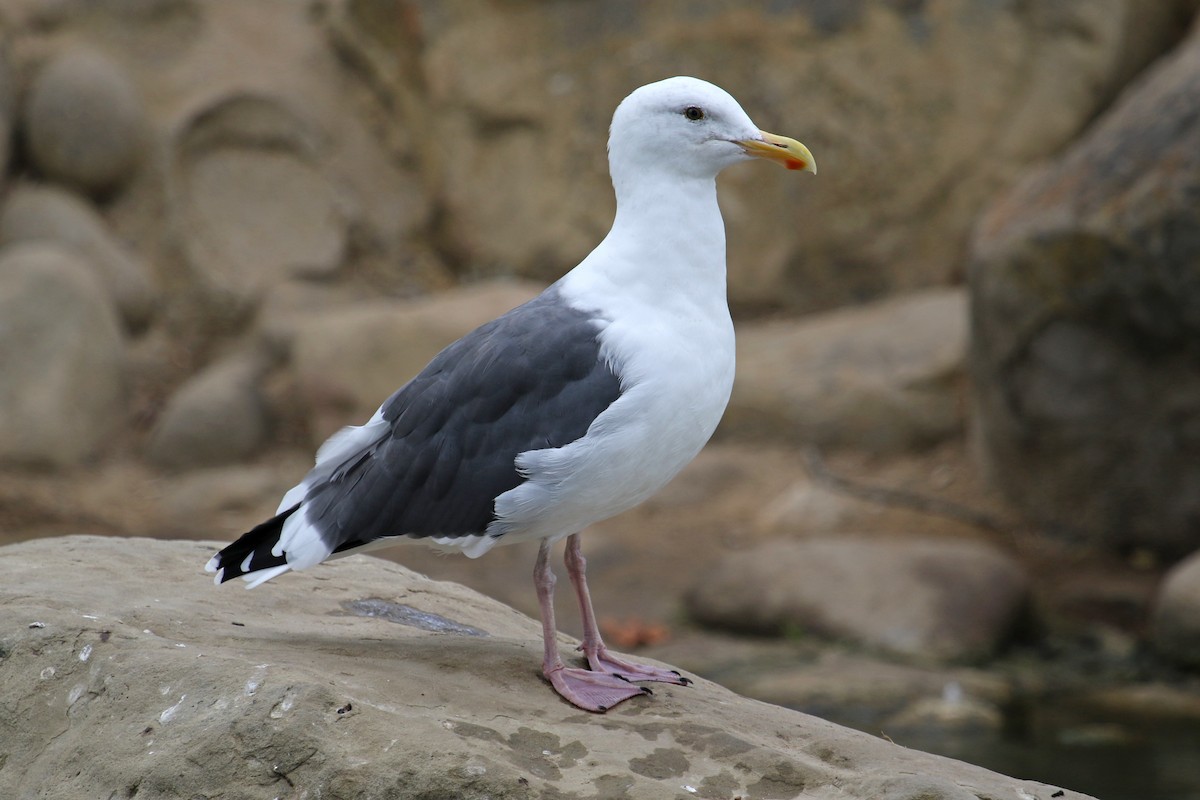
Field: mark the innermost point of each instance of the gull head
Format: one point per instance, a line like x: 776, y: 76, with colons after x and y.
x: 691, y: 128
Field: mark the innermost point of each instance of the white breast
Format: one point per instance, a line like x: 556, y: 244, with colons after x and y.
x: 675, y: 359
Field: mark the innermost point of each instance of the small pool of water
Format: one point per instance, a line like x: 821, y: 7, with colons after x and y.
x: 1131, y: 758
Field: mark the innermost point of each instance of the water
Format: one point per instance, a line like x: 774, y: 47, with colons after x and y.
x: 1057, y: 743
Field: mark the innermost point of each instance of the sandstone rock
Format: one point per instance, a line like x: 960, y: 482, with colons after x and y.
x: 882, y: 377
x: 84, y: 122
x: 1086, y: 324
x: 127, y: 672
x: 54, y: 214
x: 926, y: 599
x: 1176, y: 619
x: 216, y: 417
x: 269, y: 156
x: 903, y: 704
x: 280, y: 163
x: 254, y: 204
x: 61, y: 357
x: 808, y: 506
x: 8, y: 101
x: 917, y: 113
x: 203, y: 500
x: 290, y: 305
x: 348, y: 362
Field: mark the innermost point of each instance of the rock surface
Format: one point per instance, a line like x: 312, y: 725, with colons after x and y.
x: 1176, y: 620
x: 885, y: 376
x: 254, y: 198
x: 216, y: 417
x: 1086, y: 324
x: 126, y: 672
x: 8, y: 108
x: 926, y: 599
x: 50, y: 213
x: 916, y: 112
x: 84, y: 121
x: 62, y: 385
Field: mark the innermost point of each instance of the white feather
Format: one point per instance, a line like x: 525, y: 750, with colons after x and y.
x: 264, y: 575
x: 337, y: 450
x: 301, y: 542
x: 352, y: 439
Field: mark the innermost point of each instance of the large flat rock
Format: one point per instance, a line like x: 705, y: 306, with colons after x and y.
x: 124, y: 672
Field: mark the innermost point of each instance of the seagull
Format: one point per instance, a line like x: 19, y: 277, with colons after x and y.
x: 565, y: 411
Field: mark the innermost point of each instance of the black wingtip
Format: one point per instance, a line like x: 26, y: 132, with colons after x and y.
x: 256, y: 543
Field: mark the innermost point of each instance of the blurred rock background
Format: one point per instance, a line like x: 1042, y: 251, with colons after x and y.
x: 961, y: 469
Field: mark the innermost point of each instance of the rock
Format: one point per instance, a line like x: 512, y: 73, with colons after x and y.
x: 290, y: 305
x: 216, y: 417
x: 61, y: 357
x: 269, y: 156
x: 54, y: 214
x: 927, y: 599
x: 202, y: 500
x: 84, y: 122
x: 811, y: 507
x: 347, y: 362
x: 916, y: 112
x: 884, y: 377
x: 8, y: 101
x: 1175, y: 623
x: 128, y: 672
x: 1085, y: 338
x: 844, y: 684
x: 254, y: 203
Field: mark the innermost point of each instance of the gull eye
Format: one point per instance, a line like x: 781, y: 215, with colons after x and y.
x: 694, y: 113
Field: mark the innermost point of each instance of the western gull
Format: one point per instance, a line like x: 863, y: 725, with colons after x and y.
x: 565, y: 411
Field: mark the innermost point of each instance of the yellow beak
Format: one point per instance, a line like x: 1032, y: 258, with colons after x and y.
x: 789, y: 152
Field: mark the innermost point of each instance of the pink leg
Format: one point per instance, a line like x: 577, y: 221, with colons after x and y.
x: 598, y: 656
x: 591, y: 691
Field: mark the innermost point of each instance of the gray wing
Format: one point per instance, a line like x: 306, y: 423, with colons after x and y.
x: 528, y: 380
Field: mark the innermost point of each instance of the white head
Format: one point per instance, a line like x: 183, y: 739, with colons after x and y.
x: 691, y: 129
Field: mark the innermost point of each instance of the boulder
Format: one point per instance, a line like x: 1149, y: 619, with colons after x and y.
x: 926, y: 599
x: 1175, y: 624
x: 225, y: 498
x: 84, y: 122
x: 268, y: 156
x: 809, y: 506
x: 917, y: 114
x: 8, y: 103
x: 1085, y: 340
x: 287, y: 307
x: 61, y: 357
x: 348, y: 361
x: 216, y: 417
x: 126, y: 672
x: 279, y: 161
x: 50, y: 213
x: 884, y: 377
x: 254, y: 203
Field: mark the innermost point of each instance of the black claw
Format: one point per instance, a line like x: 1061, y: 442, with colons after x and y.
x: 682, y: 680
x: 646, y: 690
